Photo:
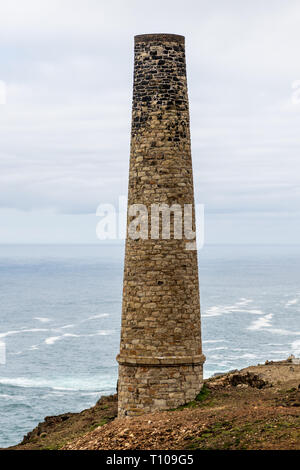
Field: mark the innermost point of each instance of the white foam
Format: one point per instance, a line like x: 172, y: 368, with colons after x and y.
x: 296, y: 347
x: 218, y: 310
x: 244, y: 301
x: 94, y: 317
x: 103, y: 333
x: 261, y: 323
x: 291, y: 302
x: 100, y: 315
x: 73, y: 325
x: 92, y: 384
x: 42, y: 319
x: 249, y: 356
x: 214, y: 311
x: 53, y: 339
x: 216, y: 341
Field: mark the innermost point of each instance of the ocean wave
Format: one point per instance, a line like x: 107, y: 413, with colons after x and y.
x: 264, y: 324
x: 82, y: 393
x: 239, y: 306
x: 69, y: 384
x: 282, y: 331
x: 291, y: 302
x: 53, y: 339
x: 24, y: 329
x: 215, y: 341
x: 261, y: 323
x: 29, y: 330
x: 227, y: 357
x: 95, y: 317
x: 249, y: 356
x: 255, y: 312
x: 296, y: 347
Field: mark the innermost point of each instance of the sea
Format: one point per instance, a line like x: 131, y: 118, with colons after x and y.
x: 60, y: 313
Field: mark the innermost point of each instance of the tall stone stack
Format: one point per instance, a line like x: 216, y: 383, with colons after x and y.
x: 160, y: 360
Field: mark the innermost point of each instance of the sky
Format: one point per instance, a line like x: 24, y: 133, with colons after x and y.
x: 65, y: 126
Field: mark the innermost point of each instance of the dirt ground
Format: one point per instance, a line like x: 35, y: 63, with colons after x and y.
x: 255, y: 408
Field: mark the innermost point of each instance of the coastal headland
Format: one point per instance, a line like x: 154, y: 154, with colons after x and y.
x: 255, y: 408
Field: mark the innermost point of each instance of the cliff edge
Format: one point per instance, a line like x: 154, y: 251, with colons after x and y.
x: 255, y: 408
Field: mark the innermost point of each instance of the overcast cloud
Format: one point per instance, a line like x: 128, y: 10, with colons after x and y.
x: 65, y: 129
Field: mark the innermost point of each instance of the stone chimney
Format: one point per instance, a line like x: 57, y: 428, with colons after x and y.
x: 160, y: 360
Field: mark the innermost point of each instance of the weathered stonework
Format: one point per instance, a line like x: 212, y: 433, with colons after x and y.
x: 160, y: 360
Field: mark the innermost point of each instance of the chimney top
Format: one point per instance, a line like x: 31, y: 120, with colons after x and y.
x: 159, y: 37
